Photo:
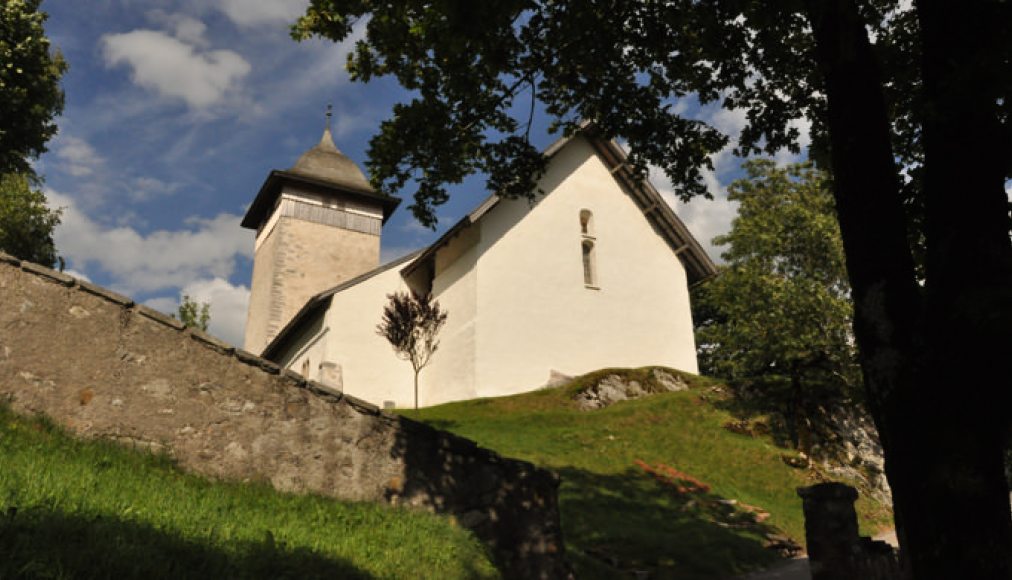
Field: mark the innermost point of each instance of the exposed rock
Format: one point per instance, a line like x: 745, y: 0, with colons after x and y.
x: 614, y: 388
x: 858, y: 451
x: 669, y: 381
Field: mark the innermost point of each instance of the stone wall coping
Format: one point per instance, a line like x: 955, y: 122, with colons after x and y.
x: 151, y: 313
x: 9, y: 259
x: 109, y: 295
x: 210, y: 341
x: 65, y: 279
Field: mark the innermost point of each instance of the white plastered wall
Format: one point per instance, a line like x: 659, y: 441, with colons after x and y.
x: 536, y: 315
x: 369, y: 367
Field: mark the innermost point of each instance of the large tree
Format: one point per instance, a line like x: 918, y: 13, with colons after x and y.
x: 30, y: 93
x: 777, y: 320
x: 908, y: 106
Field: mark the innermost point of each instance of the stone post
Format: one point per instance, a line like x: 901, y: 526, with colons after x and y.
x: 834, y: 550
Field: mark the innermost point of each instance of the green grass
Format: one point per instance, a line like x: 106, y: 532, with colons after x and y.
x: 78, y: 509
x: 616, y: 517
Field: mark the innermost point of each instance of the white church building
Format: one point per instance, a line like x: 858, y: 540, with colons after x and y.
x: 595, y: 273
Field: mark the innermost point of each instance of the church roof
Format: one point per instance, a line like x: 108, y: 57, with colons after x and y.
x: 698, y: 265
x: 322, y: 169
x: 325, y: 162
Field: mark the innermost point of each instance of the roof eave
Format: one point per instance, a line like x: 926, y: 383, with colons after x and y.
x: 263, y: 203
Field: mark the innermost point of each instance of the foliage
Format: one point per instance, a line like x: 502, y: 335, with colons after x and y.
x: 30, y: 94
x: 93, y: 509
x: 634, y: 475
x: 411, y: 322
x: 777, y: 320
x: 909, y: 105
x: 26, y: 222
x: 194, y: 315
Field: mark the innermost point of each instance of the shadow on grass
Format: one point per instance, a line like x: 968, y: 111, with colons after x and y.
x: 41, y: 543
x: 621, y: 523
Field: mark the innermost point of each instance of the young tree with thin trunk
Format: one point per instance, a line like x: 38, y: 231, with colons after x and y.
x: 410, y: 323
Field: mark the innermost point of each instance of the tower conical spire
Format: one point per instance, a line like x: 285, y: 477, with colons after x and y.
x: 327, y: 141
x: 325, y: 161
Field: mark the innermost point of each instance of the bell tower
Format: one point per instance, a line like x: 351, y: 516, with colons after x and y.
x: 317, y: 225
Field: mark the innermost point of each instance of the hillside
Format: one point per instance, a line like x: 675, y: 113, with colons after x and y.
x: 80, y: 509
x: 656, y: 484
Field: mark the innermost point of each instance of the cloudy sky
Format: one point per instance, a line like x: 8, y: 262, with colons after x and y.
x: 176, y: 112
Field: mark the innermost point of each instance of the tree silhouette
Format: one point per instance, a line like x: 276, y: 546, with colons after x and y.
x: 410, y: 323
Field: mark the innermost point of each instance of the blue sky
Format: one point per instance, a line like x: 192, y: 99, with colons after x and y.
x: 176, y: 111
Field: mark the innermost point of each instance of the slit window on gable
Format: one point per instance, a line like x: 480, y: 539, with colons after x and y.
x: 588, y: 263
x: 586, y: 222
x: 587, y: 245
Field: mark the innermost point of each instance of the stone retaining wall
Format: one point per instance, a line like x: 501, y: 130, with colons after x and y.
x: 105, y: 367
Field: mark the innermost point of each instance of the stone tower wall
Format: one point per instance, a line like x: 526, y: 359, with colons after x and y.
x: 102, y: 366
x: 297, y: 260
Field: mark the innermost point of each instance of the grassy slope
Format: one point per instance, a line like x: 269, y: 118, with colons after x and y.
x: 615, y: 515
x: 73, y: 509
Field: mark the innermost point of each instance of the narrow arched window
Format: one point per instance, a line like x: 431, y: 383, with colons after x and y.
x: 586, y: 222
x: 589, y: 278
x: 587, y: 243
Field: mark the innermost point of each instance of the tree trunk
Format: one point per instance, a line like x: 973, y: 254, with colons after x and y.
x: 416, y: 388
x: 919, y: 346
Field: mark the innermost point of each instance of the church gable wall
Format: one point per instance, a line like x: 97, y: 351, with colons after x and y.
x: 535, y: 312
x: 103, y: 367
x: 368, y: 365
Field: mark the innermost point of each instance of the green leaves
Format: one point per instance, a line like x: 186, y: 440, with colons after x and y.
x: 778, y: 317
x: 30, y: 94
x: 26, y: 222
x: 194, y: 315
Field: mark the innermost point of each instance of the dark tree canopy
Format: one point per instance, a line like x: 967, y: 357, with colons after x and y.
x: 30, y: 94
x: 909, y: 108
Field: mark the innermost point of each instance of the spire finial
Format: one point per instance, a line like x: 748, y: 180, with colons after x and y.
x: 327, y: 141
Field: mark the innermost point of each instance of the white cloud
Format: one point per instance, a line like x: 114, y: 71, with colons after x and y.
x: 729, y: 121
x: 228, y: 306
x: 145, y: 188
x: 258, y: 12
x: 78, y: 157
x: 705, y: 218
x: 174, y: 68
x: 162, y: 259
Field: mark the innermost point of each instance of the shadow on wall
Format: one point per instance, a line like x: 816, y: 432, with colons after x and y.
x: 41, y: 543
x: 629, y: 522
x: 511, y: 505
